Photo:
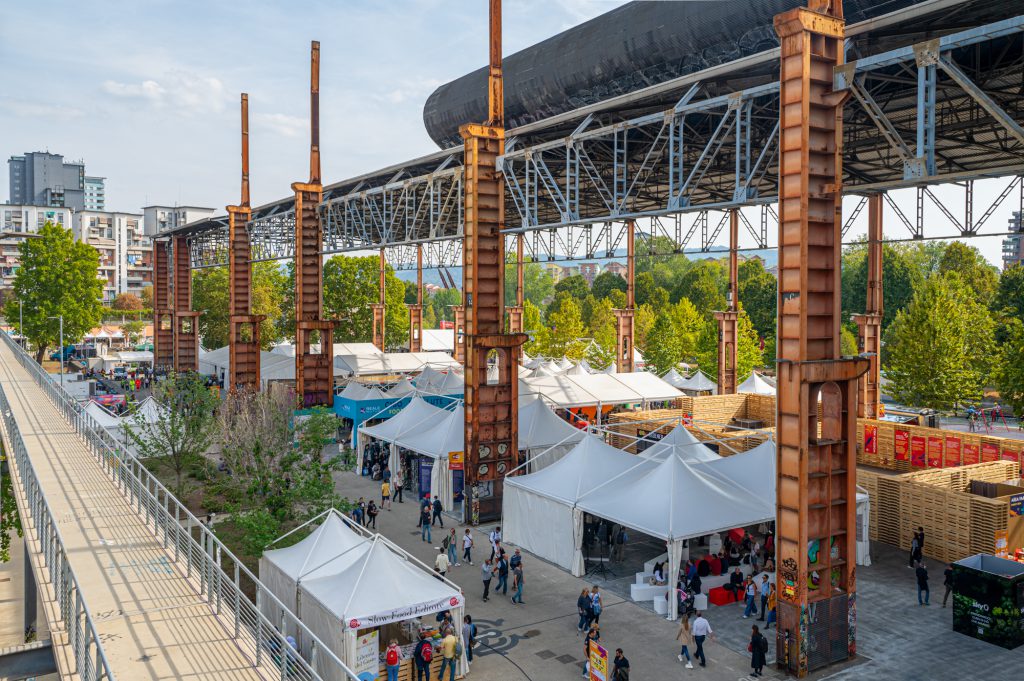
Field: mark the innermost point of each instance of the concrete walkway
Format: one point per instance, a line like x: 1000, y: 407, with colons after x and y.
x: 151, y: 620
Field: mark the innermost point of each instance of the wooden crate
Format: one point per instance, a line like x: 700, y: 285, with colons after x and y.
x: 885, y: 455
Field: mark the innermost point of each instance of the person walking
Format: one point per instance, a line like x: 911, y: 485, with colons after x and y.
x: 922, y: 584
x: 437, y: 512
x: 947, y: 581
x: 467, y: 546
x: 397, y: 485
x: 596, y: 603
x: 772, y: 603
x: 422, y: 655
x: 751, y: 599
x: 424, y: 506
x: 758, y: 648
x: 441, y: 562
x: 516, y: 559
x: 486, y: 574
x: 517, y: 580
x: 393, y: 659
x: 468, y: 636
x: 685, y: 638
x: 449, y: 650
x: 495, y: 538
x: 701, y: 631
x: 620, y: 666
x: 385, y: 495
x: 765, y: 590
x: 502, y: 575
x: 584, y: 610
x: 448, y: 544
x: 593, y: 636
x: 371, y: 514
x: 618, y: 543
x: 425, y: 524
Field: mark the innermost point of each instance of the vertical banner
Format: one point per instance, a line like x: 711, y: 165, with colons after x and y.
x: 952, y: 451
x: 1002, y: 544
x: 901, y: 444
x: 870, y: 439
x: 972, y: 454
x: 989, y: 452
x: 917, y: 446
x: 934, y: 451
x: 367, y: 664
x: 598, y: 662
x: 1012, y: 455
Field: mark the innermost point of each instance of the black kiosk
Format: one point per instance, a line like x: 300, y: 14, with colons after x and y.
x: 988, y: 599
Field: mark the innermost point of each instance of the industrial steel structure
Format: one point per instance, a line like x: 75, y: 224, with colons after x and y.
x: 923, y: 95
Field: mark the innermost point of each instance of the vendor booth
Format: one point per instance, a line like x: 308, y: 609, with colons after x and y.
x: 988, y: 599
x: 416, y: 416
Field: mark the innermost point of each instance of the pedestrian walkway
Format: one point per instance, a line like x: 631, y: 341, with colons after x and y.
x: 150, y: 617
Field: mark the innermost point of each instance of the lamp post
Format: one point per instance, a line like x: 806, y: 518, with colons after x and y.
x: 61, y: 352
x: 21, y: 322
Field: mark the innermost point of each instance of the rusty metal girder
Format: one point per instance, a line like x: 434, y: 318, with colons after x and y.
x: 186, y: 322
x: 728, y: 320
x: 163, y: 308
x: 624, y: 327
x: 869, y: 324
x: 416, y: 311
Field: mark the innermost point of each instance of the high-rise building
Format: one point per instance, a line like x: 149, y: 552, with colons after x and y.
x: 40, y: 178
x: 95, y: 193
x: 126, y: 254
x: 1013, y: 245
x: 18, y: 223
x: 159, y: 219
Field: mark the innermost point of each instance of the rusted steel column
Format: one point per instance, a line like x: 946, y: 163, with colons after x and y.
x: 314, y: 371
x: 491, y: 437
x: 869, y: 324
x: 378, y: 307
x: 163, y: 308
x: 624, y: 332
x: 515, y: 312
x: 816, y: 487
x: 459, y: 317
x: 416, y: 311
x: 728, y: 320
x: 186, y: 322
x: 244, y: 327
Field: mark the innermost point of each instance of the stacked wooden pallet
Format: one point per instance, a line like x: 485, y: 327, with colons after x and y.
x: 954, y: 448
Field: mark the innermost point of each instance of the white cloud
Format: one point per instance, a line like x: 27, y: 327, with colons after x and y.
x: 185, y: 92
x: 26, y: 109
x: 282, y: 124
x: 408, y: 91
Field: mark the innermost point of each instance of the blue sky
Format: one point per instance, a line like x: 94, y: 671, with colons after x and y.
x: 146, y: 92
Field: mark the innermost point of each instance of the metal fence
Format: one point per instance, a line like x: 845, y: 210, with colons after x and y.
x: 90, y: 662
x: 223, y: 578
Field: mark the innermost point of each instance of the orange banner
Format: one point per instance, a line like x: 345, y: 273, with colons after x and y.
x: 934, y: 452
x: 901, y: 444
x: 952, y: 451
x: 971, y: 454
x: 917, y: 445
x: 989, y: 452
x: 870, y: 439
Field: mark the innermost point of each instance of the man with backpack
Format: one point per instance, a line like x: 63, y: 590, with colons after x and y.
x: 422, y: 656
x: 451, y: 650
x: 437, y: 512
x: 758, y: 649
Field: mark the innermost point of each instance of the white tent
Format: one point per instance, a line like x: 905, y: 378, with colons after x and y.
x: 682, y: 443
x: 353, y: 391
x: 437, y: 442
x: 554, y: 367
x: 585, y: 365
x: 570, y: 390
x: 418, y: 415
x: 565, y: 364
x: 544, y: 370
x: 674, y: 378
x: 428, y: 378
x: 757, y: 385
x: 610, y: 369
x: 648, y: 387
x: 103, y: 417
x: 577, y: 370
x: 699, y: 383
x: 540, y: 430
x: 380, y: 586
x: 402, y: 388
x: 452, y: 384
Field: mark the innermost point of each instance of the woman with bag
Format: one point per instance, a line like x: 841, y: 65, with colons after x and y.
x: 595, y: 603
x: 585, y: 610
x: 393, y: 659
x: 758, y: 649
x: 685, y: 638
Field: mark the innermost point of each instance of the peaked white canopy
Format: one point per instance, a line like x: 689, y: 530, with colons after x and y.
x: 576, y: 370
x: 445, y: 433
x: 681, y: 443
x: 418, y: 415
x: 674, y: 378
x: 402, y: 388
x: 540, y: 427
x: 353, y: 391
x: 102, y: 416
x: 699, y: 382
x: 757, y: 385
x: 565, y: 363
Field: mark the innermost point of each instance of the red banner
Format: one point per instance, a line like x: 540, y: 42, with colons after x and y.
x: 989, y: 452
x: 971, y: 454
x: 901, y: 444
x: 952, y: 451
x: 934, y: 452
x: 917, y: 451
x: 1012, y: 455
x: 870, y: 439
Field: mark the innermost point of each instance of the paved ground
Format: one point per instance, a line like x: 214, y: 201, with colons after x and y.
x: 898, y: 640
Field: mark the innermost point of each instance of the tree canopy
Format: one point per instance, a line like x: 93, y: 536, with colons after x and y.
x: 210, y: 295
x: 127, y: 302
x: 351, y: 286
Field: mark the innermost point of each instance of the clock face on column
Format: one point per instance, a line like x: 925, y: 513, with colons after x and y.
x: 484, y: 451
x: 482, y: 471
x: 502, y: 448
x: 502, y: 468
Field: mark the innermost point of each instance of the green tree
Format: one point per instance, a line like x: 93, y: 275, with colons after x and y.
x: 533, y: 326
x: 1009, y: 299
x: 57, y: 277
x: 147, y: 297
x: 643, y: 322
x: 442, y: 301
x: 704, y: 284
x: 649, y: 293
x: 133, y: 331
x: 10, y: 520
x: 900, y: 278
x: 925, y: 256
x: 748, y: 351
x: 351, y: 286
x: 605, y: 283
x: 939, y: 348
x: 575, y: 286
x: 847, y: 341
x: 429, y: 317
x: 127, y: 302
x: 211, y: 296
x: 538, y: 285
x: 563, y: 335
x: 758, y: 291
x: 185, y: 428
x: 687, y: 324
x: 663, y: 350
x: 1010, y: 372
x: 972, y: 268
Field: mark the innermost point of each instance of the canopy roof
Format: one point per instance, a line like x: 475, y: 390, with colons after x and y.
x: 326, y: 551
x: 682, y: 443
x: 699, y: 382
x: 416, y: 416
x: 540, y: 427
x: 403, y: 388
x: 380, y: 586
x: 353, y: 391
x: 584, y: 467
x: 391, y: 362
x: 757, y: 385
x: 576, y: 390
x: 441, y: 436
x: 102, y: 416
x: 674, y: 378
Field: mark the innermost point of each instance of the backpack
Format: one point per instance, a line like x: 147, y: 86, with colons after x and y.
x: 764, y: 644
x: 426, y: 652
x: 392, y: 657
x: 458, y: 649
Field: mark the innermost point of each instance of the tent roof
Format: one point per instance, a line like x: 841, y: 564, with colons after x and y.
x: 135, y: 356
x: 584, y: 467
x: 326, y: 551
x: 540, y: 427
x: 565, y: 363
x: 438, y: 340
x: 102, y: 416
x: 353, y: 391
x: 439, y: 438
x: 150, y: 410
x: 418, y: 415
x: 699, y: 382
x: 682, y: 443
x: 674, y: 378
x: 378, y: 583
x: 648, y: 386
x: 757, y: 385
x: 402, y: 388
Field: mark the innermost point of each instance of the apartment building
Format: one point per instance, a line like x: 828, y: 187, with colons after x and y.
x: 126, y: 252
x: 40, y: 178
x: 17, y: 223
x: 95, y: 193
x: 159, y: 219
x: 589, y: 271
x: 1013, y: 245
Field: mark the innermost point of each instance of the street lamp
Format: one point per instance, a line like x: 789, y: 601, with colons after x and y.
x: 21, y: 322
x: 61, y: 352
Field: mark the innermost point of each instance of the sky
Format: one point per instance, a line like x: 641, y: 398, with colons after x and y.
x: 146, y: 92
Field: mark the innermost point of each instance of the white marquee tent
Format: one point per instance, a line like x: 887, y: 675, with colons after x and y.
x: 674, y: 378
x: 757, y: 385
x: 568, y: 390
x: 699, y: 383
x: 416, y: 416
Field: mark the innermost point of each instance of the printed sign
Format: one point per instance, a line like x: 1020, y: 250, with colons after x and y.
x: 934, y: 452
x: 406, y: 613
x: 456, y: 461
x: 598, y: 662
x: 972, y: 454
x: 917, y: 446
x: 1002, y: 543
x: 870, y: 439
x: 1010, y: 455
x: 1017, y: 504
x: 952, y: 451
x: 368, y: 656
x: 901, y: 444
x: 989, y: 452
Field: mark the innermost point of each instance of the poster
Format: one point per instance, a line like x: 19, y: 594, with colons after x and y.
x: 1017, y: 504
x: 456, y: 461
x: 934, y: 451
x: 598, y: 662
x: 367, y: 656
x: 1002, y: 544
x: 870, y: 439
x: 917, y: 451
x: 972, y: 454
x: 1010, y: 455
x: 989, y: 452
x: 952, y: 451
x: 901, y: 444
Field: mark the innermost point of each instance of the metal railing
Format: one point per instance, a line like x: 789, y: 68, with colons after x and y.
x: 223, y: 578
x: 76, y: 620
